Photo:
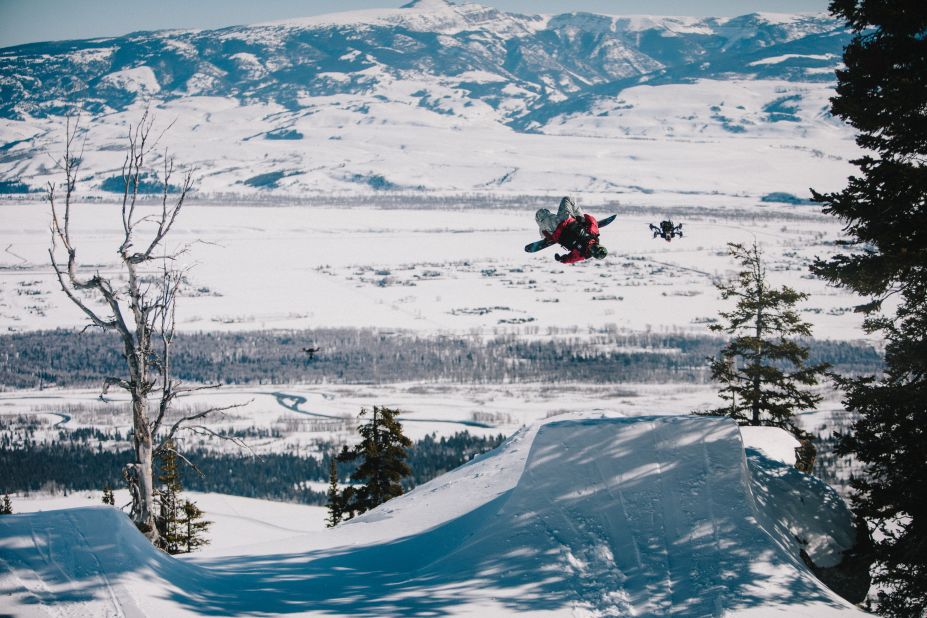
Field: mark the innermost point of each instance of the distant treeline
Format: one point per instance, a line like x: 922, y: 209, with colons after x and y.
x: 74, y: 466
x: 368, y: 356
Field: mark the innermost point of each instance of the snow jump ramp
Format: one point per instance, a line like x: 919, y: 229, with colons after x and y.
x: 654, y: 516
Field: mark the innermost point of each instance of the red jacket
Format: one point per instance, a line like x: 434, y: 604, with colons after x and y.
x: 577, y: 254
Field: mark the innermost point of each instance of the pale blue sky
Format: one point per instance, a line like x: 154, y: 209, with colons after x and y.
x: 27, y: 21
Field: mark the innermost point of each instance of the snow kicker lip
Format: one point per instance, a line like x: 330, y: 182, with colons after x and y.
x: 652, y: 514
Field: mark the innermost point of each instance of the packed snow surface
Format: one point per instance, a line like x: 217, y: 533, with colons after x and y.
x: 772, y: 441
x: 575, y: 517
x: 234, y: 520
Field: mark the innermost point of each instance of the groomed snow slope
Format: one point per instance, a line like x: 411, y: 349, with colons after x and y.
x: 600, y: 517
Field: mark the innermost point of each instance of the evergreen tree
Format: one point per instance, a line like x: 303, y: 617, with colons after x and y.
x: 882, y: 93
x: 192, y: 527
x: 382, y: 454
x: 6, y: 507
x: 334, y: 497
x: 169, y: 504
x: 108, y: 497
x: 763, y: 369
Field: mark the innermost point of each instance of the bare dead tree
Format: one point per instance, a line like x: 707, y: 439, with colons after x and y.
x: 141, y: 310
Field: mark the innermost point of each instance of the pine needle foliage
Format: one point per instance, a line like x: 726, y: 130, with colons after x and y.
x: 181, y: 524
x: 763, y: 367
x: 335, y: 510
x: 382, y: 455
x: 108, y: 497
x: 882, y: 93
x: 193, y: 527
x: 168, y: 520
x: 6, y: 506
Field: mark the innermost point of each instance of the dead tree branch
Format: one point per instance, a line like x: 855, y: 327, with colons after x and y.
x: 141, y: 311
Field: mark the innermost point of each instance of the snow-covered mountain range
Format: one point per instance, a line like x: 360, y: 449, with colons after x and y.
x: 526, y: 68
x: 441, y: 96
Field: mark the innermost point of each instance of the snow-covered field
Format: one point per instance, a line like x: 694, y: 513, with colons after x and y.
x: 583, y: 516
x: 428, y: 270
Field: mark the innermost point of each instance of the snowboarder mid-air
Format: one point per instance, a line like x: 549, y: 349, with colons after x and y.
x: 667, y: 231
x: 572, y: 229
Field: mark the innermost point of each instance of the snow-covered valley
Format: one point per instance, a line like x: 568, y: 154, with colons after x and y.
x: 433, y: 270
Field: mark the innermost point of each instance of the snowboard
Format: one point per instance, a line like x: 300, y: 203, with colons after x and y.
x: 544, y: 243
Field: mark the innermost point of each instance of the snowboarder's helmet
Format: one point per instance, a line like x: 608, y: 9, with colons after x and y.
x: 599, y: 252
x: 541, y: 214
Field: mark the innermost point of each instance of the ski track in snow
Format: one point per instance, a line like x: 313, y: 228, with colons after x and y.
x: 118, y: 600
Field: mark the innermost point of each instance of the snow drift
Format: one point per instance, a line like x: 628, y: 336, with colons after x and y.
x: 600, y: 517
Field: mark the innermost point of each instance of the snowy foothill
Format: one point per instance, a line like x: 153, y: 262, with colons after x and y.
x: 582, y: 515
x: 733, y: 138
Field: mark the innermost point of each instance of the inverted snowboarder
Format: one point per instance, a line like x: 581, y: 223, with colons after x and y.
x: 571, y: 228
x: 667, y: 231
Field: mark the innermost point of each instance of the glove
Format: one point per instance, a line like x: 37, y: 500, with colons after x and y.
x: 558, y: 257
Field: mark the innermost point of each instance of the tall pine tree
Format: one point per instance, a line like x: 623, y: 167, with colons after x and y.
x: 763, y: 368
x: 335, y: 510
x: 169, y: 504
x: 882, y: 93
x: 382, y: 454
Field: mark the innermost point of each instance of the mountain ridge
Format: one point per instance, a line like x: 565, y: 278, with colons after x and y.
x: 361, y: 101
x: 551, y: 57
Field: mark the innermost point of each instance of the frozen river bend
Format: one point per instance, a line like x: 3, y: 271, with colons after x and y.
x: 574, y: 517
